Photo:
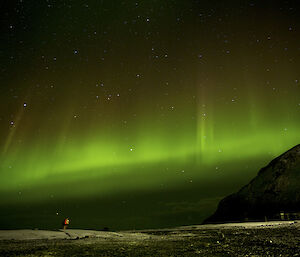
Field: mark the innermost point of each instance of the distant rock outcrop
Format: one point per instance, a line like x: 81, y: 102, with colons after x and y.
x: 275, y: 189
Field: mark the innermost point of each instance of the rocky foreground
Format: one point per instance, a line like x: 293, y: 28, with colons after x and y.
x: 240, y: 239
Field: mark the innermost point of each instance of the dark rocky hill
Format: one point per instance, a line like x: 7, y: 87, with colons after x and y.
x: 275, y: 189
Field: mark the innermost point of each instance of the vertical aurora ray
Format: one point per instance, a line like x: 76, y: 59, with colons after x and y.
x: 11, y: 134
x: 205, y: 125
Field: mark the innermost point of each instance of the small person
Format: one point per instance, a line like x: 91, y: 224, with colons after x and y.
x: 66, y: 223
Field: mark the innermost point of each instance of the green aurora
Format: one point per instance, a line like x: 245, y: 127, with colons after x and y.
x: 205, y: 141
x: 178, y: 103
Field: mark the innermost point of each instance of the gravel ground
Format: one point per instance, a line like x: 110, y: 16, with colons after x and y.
x: 224, y: 241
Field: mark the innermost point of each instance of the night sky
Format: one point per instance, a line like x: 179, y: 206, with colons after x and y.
x: 141, y: 114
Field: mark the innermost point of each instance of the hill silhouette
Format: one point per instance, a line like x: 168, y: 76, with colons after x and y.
x: 275, y: 189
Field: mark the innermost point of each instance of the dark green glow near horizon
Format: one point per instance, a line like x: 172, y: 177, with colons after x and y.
x: 93, y: 92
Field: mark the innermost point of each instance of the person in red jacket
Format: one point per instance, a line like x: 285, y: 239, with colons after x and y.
x: 66, y: 223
